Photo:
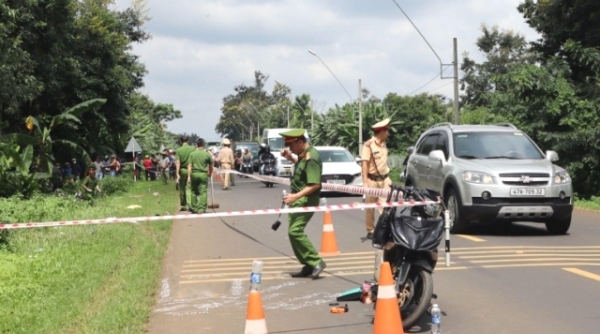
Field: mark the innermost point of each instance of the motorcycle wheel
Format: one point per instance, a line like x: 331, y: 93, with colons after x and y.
x: 419, y: 289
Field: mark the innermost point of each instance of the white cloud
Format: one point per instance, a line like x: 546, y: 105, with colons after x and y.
x: 200, y: 50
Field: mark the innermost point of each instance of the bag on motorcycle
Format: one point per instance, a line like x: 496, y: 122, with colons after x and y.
x: 416, y: 233
x: 381, y: 234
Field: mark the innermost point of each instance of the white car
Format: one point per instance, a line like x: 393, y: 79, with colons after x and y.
x: 339, y: 167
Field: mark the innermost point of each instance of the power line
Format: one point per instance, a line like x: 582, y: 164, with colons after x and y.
x: 428, y: 82
x: 442, y: 86
x: 425, y: 39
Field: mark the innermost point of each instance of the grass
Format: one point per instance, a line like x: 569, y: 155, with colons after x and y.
x: 83, y: 279
x: 590, y: 204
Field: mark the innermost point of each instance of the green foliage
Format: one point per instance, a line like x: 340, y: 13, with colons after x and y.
x: 148, y: 123
x: 52, y: 279
x: 115, y: 185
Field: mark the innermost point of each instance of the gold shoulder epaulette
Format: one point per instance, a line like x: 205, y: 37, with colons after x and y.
x: 307, y: 156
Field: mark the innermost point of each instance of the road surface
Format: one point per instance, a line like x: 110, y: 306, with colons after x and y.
x: 520, y: 280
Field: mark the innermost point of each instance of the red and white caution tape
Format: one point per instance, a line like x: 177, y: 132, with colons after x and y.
x: 375, y: 192
x: 135, y: 220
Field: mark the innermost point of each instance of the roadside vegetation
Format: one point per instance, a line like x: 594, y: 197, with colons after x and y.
x: 83, y: 279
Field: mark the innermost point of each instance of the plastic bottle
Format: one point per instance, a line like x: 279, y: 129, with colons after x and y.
x: 284, y: 193
x: 323, y: 201
x: 436, y: 319
x: 256, y: 275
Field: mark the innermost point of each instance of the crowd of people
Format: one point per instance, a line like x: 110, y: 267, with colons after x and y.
x: 70, y: 173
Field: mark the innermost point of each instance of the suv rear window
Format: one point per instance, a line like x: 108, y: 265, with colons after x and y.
x: 495, y: 145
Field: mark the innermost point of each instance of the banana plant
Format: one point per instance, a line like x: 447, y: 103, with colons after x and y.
x: 40, y: 136
x: 15, y: 175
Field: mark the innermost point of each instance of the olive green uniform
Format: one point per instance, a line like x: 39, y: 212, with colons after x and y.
x: 308, y: 170
x: 90, y: 184
x: 182, y: 155
x: 200, y: 161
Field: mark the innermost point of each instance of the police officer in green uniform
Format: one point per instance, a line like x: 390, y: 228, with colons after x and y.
x: 199, y: 169
x: 305, y: 191
x: 182, y: 156
x: 89, y: 185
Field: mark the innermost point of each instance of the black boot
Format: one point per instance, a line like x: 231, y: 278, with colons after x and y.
x: 305, y: 272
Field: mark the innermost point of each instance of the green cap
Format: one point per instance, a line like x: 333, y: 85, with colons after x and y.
x: 292, y: 134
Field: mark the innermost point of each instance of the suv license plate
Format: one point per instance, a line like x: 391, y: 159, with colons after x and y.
x: 337, y: 181
x: 527, y: 191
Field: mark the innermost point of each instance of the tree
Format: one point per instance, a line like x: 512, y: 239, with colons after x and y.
x: 503, y: 50
x: 59, y: 53
x: 570, y: 30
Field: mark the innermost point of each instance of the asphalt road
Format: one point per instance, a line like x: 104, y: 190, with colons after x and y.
x: 520, y: 280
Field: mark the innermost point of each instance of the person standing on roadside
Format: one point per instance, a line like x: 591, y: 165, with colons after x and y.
x: 200, y: 168
x: 305, y: 191
x: 76, y: 169
x: 226, y: 161
x: 115, y: 166
x: 375, y: 169
x: 98, y: 165
x: 182, y: 156
x: 148, y: 167
x: 164, y: 165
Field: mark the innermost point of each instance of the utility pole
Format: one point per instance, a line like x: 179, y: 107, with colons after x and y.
x: 456, y: 116
x: 360, y: 139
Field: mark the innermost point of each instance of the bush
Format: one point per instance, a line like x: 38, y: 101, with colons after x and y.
x: 115, y: 185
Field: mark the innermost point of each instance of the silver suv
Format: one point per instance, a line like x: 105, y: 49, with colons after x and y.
x: 492, y: 173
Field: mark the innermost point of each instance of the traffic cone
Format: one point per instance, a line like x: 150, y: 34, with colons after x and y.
x: 218, y: 177
x: 387, y: 312
x: 255, y: 316
x: 328, y: 242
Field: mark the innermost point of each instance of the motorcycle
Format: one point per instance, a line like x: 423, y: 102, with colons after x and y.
x: 270, y: 168
x: 247, y: 167
x: 408, y: 239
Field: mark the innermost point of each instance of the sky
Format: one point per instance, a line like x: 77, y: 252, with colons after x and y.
x: 201, y: 49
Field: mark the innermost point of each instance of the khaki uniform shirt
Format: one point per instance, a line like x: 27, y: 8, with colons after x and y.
x: 373, y: 150
x: 226, y: 156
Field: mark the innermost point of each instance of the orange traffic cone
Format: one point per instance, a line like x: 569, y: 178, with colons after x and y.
x: 218, y: 177
x: 387, y: 313
x: 328, y: 242
x: 255, y: 316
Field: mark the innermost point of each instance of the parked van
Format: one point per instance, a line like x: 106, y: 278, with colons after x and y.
x: 272, y: 137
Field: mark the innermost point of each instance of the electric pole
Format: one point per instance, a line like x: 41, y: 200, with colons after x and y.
x: 360, y: 133
x: 456, y: 115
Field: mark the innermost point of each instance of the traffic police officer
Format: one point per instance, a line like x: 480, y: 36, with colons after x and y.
x: 305, y: 191
x: 181, y: 162
x: 226, y: 161
x: 375, y: 169
x: 200, y: 168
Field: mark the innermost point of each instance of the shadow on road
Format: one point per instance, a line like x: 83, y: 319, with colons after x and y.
x: 509, y: 230
x: 308, y: 330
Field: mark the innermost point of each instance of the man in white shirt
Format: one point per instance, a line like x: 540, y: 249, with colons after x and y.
x: 163, y: 164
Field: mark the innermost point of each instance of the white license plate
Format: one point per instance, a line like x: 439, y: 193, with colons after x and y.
x: 527, y: 191
x: 337, y: 181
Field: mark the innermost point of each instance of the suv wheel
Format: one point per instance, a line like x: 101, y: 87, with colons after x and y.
x: 459, y: 224
x: 558, y: 226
